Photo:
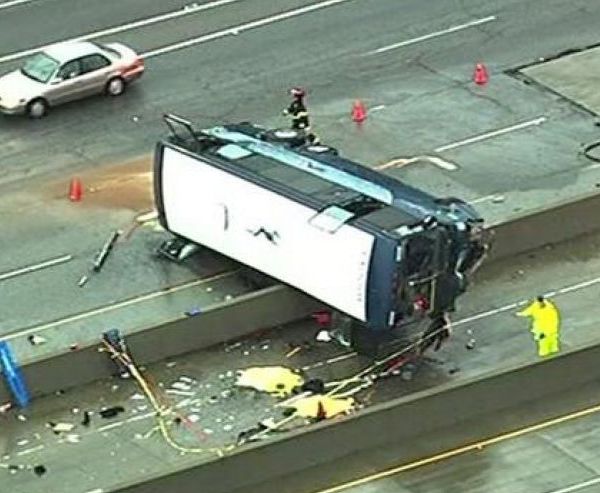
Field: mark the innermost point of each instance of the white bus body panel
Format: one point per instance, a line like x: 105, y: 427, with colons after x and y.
x: 266, y: 231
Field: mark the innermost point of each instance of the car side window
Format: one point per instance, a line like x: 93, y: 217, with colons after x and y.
x: 93, y: 62
x: 69, y: 70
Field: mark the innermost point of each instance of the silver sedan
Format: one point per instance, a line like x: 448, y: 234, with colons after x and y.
x: 68, y: 71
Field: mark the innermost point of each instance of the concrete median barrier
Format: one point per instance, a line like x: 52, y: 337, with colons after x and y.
x: 397, y: 432
x: 559, y: 223
x: 266, y: 308
x: 281, y: 304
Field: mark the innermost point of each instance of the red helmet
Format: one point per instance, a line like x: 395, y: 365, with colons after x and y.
x: 297, y: 92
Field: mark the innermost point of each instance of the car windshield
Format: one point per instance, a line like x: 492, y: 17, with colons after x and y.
x: 40, y: 67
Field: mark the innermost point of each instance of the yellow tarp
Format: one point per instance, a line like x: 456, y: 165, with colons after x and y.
x: 276, y: 380
x: 308, y: 407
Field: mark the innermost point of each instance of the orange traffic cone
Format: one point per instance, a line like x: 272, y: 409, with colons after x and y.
x: 480, y: 75
x: 359, y: 112
x: 75, y: 190
x: 321, y: 413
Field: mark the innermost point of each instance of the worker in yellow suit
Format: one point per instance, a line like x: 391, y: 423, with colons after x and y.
x: 545, y: 325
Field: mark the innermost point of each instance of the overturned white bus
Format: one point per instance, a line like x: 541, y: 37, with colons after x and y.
x: 379, y: 251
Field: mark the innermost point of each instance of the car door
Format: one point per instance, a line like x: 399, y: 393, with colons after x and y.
x: 64, y: 86
x: 94, y: 73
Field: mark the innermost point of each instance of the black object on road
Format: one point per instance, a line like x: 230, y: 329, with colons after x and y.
x: 106, y: 249
x: 112, y: 412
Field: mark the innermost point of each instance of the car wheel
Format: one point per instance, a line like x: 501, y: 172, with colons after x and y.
x: 115, y: 86
x: 37, y: 108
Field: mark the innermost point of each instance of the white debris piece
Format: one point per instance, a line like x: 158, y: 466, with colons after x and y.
x: 63, y: 427
x: 20, y: 443
x: 179, y: 392
x: 171, y: 364
x: 185, y: 379
x: 72, y: 438
x: 323, y: 336
x: 137, y: 397
x: 180, y: 386
x: 193, y: 418
x: 36, y: 340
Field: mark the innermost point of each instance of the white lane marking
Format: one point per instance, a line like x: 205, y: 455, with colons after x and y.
x: 124, y: 27
x: 494, y: 133
x: 235, y: 30
x: 36, y: 267
x: 111, y: 426
x: 116, y: 306
x: 14, y: 3
x: 578, y: 486
x: 436, y: 34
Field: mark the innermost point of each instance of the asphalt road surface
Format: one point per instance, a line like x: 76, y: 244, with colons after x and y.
x: 559, y: 458
x: 243, y: 55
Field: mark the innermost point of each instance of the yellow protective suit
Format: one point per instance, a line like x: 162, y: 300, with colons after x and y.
x: 545, y: 325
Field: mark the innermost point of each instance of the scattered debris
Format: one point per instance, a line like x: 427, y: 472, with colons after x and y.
x: 5, y: 407
x: 72, y: 438
x: 39, y: 470
x: 112, y: 412
x: 294, y: 351
x: 186, y: 379
x: 171, y: 364
x: 276, y: 380
x: 180, y: 392
x: 233, y: 346
x: 23, y: 442
x: 82, y: 281
x: 58, y: 428
x: 321, y: 406
x: 36, y: 340
x: 106, y: 249
x: 21, y: 417
x: 193, y: 418
x: 227, y: 427
x: 315, y: 386
x: 324, y: 336
x: 470, y: 344
x: 193, y: 312
x: 137, y: 397
x: 180, y: 386
x: 87, y: 418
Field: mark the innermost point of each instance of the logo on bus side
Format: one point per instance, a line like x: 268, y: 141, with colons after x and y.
x: 272, y: 236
